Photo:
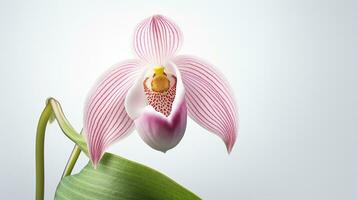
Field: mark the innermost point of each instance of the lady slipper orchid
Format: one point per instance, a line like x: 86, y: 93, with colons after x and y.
x: 156, y: 92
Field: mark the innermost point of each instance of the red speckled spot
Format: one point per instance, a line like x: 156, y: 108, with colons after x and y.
x: 161, y: 102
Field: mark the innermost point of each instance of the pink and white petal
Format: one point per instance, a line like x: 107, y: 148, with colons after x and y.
x: 105, y: 118
x: 209, y: 98
x: 158, y: 131
x: 135, y: 100
x: 157, y: 39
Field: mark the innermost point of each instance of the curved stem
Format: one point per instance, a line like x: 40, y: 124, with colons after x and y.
x: 66, y: 127
x: 40, y: 139
x: 54, y: 110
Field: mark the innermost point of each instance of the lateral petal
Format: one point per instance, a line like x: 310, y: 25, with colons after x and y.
x: 209, y: 98
x: 105, y: 118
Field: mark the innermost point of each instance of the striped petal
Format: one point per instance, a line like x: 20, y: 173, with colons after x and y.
x: 209, y: 98
x: 105, y: 118
x: 157, y: 39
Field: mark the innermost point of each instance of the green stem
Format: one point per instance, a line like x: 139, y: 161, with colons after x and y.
x: 71, y: 161
x: 53, y: 109
x: 40, y: 139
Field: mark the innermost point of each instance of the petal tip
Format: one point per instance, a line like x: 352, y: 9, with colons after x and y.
x: 157, y: 16
x: 94, y: 164
x: 95, y: 160
x: 229, y: 149
x: 95, y: 154
x: 230, y: 143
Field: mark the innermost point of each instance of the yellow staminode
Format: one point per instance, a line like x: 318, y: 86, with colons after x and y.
x: 159, y: 70
x: 160, y: 82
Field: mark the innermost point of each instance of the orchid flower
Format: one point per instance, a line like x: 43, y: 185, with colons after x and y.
x: 155, y: 92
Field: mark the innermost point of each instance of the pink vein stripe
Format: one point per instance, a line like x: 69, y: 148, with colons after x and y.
x: 105, y: 118
x: 209, y: 98
x: 157, y: 39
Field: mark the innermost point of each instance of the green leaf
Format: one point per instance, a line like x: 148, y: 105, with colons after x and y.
x: 118, y: 178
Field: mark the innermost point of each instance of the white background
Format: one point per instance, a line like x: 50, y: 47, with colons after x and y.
x: 292, y: 66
